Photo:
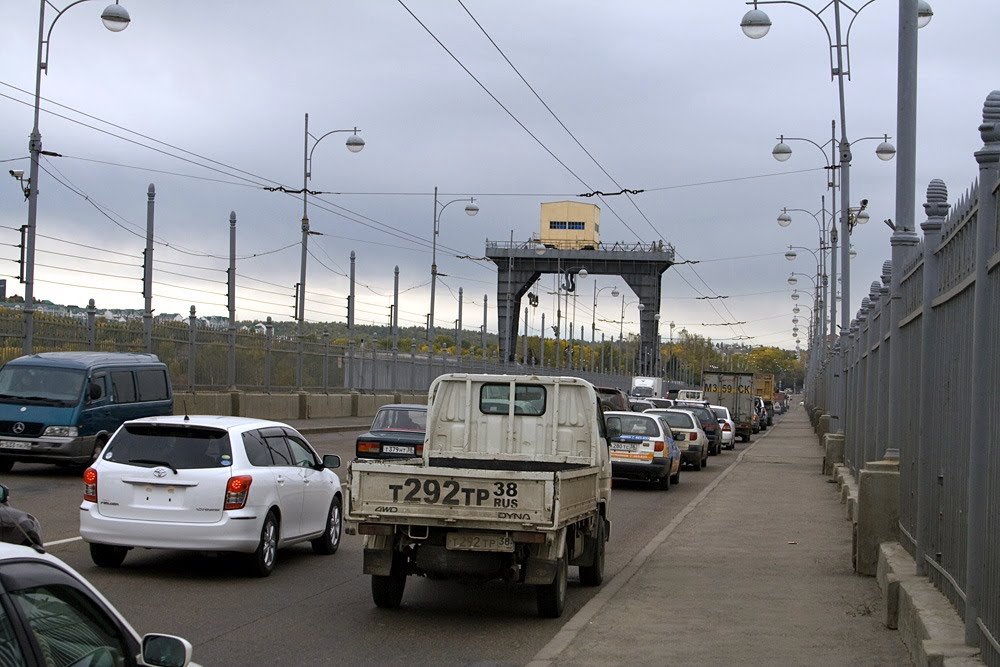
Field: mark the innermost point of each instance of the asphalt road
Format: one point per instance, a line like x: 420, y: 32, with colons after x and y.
x: 316, y: 610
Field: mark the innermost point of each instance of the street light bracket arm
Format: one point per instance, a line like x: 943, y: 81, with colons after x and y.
x: 847, y: 37
x: 44, y: 64
x: 437, y: 220
x: 821, y: 147
x: 315, y: 140
x: 826, y: 29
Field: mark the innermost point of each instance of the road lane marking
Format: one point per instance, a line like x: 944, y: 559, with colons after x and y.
x: 68, y: 539
x: 585, y: 615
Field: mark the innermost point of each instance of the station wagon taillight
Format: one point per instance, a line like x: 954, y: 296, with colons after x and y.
x: 237, y: 490
x: 90, y: 485
x: 658, y: 446
x: 692, y: 436
x: 369, y: 447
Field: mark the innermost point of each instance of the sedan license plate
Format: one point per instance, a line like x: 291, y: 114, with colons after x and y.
x: 480, y: 542
x: 623, y: 446
x: 397, y: 449
x: 14, y: 444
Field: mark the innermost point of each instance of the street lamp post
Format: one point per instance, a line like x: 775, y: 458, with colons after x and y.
x: 354, y: 145
x: 593, y: 320
x: 621, y: 324
x: 756, y: 24
x: 115, y: 18
x: 471, y: 209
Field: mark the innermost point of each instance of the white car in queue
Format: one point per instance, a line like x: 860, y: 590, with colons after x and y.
x: 208, y: 483
x: 688, y: 434
x: 727, y: 425
x: 50, y: 615
x: 642, y: 447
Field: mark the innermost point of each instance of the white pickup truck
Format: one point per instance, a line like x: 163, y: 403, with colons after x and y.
x: 506, y: 489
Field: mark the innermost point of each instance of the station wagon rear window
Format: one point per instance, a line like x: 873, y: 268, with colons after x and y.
x: 636, y: 425
x: 529, y: 399
x: 151, y: 445
x: 678, y: 420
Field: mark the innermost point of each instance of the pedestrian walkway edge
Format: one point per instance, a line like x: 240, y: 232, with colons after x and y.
x: 580, y: 619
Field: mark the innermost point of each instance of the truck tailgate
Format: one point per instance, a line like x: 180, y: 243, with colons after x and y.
x: 428, y: 495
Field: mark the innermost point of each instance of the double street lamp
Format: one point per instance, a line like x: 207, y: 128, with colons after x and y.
x: 471, y: 209
x: 115, y: 18
x: 913, y: 14
x: 354, y: 145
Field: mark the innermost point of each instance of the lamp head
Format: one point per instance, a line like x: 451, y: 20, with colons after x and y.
x: 115, y: 18
x: 355, y: 143
x: 615, y: 292
x: 790, y: 255
x: 755, y: 24
x: 792, y: 280
x: 472, y: 208
x: 539, y: 248
x: 784, y: 219
x: 781, y: 151
x: 885, y: 151
x: 924, y: 13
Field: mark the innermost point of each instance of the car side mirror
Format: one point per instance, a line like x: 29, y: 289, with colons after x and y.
x: 331, y: 461
x: 4, y: 493
x: 165, y: 651
x: 95, y: 392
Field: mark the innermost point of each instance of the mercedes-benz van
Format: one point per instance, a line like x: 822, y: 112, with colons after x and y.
x: 62, y: 407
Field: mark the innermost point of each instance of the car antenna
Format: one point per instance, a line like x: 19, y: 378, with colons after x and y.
x: 186, y: 418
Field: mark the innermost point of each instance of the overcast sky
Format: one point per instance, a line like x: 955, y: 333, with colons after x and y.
x: 668, y: 95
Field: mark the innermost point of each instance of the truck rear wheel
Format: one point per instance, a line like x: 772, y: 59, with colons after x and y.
x: 387, y: 591
x: 593, y: 575
x: 551, y: 598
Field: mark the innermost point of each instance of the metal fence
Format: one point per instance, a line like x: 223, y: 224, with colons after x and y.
x: 947, y: 413
x: 198, y: 356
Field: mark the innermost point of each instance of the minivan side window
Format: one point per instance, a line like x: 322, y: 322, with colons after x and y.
x: 124, y: 386
x: 101, y: 380
x: 152, y: 384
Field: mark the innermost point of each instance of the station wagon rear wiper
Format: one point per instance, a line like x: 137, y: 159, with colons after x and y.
x: 155, y: 463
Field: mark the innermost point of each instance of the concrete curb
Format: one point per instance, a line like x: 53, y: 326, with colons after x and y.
x: 340, y: 428
x: 928, y: 624
x: 569, y: 631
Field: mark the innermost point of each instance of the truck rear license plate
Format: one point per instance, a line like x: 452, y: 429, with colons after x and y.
x: 14, y: 444
x: 479, y: 542
x: 397, y: 449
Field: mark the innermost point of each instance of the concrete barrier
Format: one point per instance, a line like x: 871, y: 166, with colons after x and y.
x: 823, y: 426
x: 877, y: 512
x: 833, y: 444
x: 928, y: 624
x: 368, y: 404
x: 209, y: 403
x: 323, y: 406
x: 270, y: 406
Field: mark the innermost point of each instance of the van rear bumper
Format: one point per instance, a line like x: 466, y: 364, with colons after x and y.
x: 49, y: 450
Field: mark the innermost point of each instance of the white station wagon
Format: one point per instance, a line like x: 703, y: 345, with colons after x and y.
x: 210, y: 484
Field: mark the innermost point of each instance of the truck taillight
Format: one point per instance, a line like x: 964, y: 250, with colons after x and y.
x: 90, y: 485
x: 237, y: 490
x: 369, y: 447
x: 658, y: 446
x: 419, y: 450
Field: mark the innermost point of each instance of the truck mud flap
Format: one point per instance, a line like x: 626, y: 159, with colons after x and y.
x: 378, y: 554
x: 543, y: 560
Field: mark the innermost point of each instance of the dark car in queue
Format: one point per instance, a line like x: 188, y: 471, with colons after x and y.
x: 397, y: 432
x: 709, y: 423
x: 612, y: 398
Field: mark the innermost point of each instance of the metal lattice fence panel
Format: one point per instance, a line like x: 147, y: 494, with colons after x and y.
x: 949, y: 438
x: 909, y: 405
x: 990, y: 610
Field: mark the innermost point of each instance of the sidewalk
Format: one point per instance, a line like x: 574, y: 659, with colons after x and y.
x: 330, y: 424
x: 758, y: 573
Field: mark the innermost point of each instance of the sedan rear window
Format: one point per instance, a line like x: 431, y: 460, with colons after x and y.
x: 151, y: 445
x: 400, y: 419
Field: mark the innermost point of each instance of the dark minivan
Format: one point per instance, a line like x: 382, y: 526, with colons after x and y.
x: 62, y: 407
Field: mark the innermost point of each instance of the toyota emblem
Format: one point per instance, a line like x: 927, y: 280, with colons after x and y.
x: 159, y: 472
x: 18, y: 427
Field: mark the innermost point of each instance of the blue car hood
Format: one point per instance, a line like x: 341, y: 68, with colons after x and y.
x: 43, y: 414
